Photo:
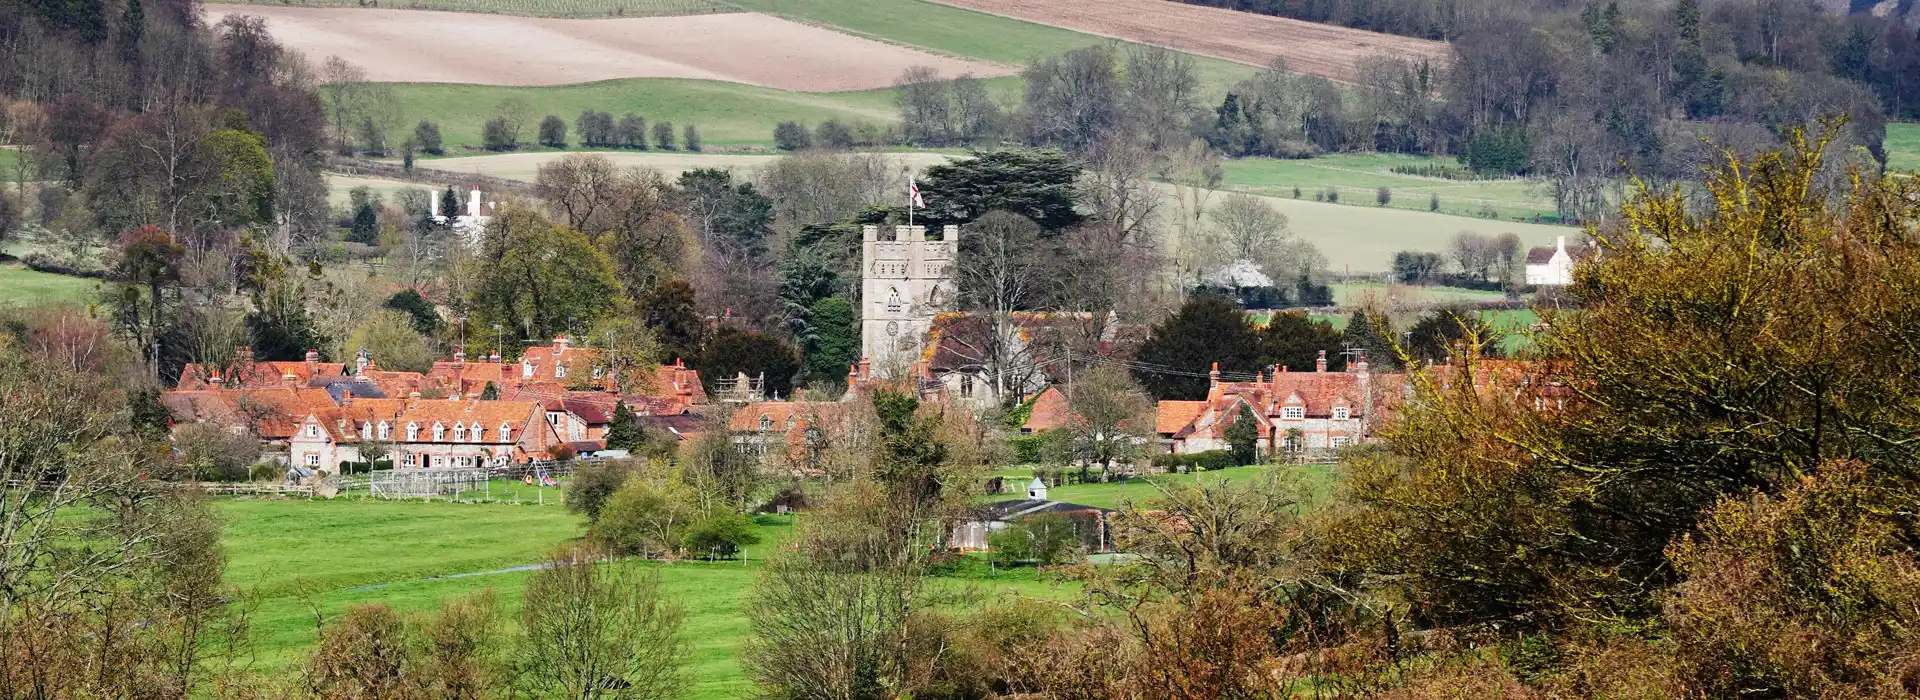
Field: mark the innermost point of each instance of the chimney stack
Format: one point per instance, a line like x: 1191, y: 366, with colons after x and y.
x: 460, y: 355
x: 313, y: 356
x: 493, y: 356
x: 1320, y: 365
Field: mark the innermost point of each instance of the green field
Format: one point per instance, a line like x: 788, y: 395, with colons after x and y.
x: 1359, y: 177
x: 20, y: 286
x: 1903, y: 146
x: 1315, y: 478
x: 297, y: 557
x: 727, y: 114
x: 969, y: 34
x: 531, y: 8
x: 525, y: 166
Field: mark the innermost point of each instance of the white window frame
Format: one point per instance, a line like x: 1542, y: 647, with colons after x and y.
x: 477, y: 432
x: 526, y: 370
x: 313, y: 430
x: 460, y: 432
x: 559, y: 371
x: 766, y: 422
x: 413, y: 432
x: 386, y: 431
x: 366, y: 430
x: 1293, y: 413
x: 439, y: 432
x: 1342, y: 413
x: 313, y: 460
x: 506, y: 432
x: 1340, y: 441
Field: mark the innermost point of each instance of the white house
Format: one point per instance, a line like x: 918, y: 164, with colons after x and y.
x: 1554, y: 266
x: 473, y: 222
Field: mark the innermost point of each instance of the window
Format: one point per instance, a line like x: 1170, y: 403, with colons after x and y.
x: 413, y: 432
x: 1342, y: 413
x: 766, y: 422
x: 408, y: 461
x: 386, y: 431
x: 1340, y: 442
x: 526, y: 370
x: 599, y: 371
x: 1293, y: 413
x: 506, y: 433
x: 553, y: 419
x: 313, y: 460
x: 439, y: 432
x: 559, y: 371
x: 366, y: 430
x: 459, y: 432
x: 966, y: 386
x: 439, y: 461
x: 475, y: 431
x: 893, y: 301
x: 313, y: 430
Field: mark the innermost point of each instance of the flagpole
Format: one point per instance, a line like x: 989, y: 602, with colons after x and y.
x: 910, y: 186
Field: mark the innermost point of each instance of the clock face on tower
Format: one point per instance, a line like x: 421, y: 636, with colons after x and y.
x: 893, y: 328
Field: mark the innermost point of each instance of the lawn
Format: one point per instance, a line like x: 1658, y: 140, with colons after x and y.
x: 20, y: 286
x: 298, y: 557
x: 1316, y: 478
x: 1903, y: 146
x: 1359, y: 176
x: 531, y: 8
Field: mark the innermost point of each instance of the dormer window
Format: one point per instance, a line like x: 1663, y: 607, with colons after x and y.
x: 439, y: 432
x: 413, y: 432
x: 475, y: 431
x: 766, y: 423
x: 506, y: 433
x: 366, y: 430
x: 1342, y: 413
x: 599, y: 372
x: 526, y: 370
x: 559, y: 371
x: 386, y: 431
x: 1293, y: 413
x: 459, y: 432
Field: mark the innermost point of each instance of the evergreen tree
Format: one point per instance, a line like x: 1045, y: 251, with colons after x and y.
x: 490, y: 393
x: 366, y: 225
x: 1369, y: 333
x: 624, y: 433
x: 1243, y: 436
x: 449, y: 203
x: 832, y: 338
x: 1175, y: 359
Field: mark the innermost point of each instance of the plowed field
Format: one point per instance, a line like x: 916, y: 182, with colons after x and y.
x: 1315, y: 49
x: 448, y: 47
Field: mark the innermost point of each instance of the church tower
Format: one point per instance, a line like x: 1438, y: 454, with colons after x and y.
x: 905, y: 281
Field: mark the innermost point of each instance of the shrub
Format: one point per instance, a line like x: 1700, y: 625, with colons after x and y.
x: 266, y: 471
x: 1296, y: 191
x: 595, y: 482
x: 1433, y: 202
x: 427, y: 137
x: 1384, y: 196
x: 498, y: 135
x: 1027, y: 449
x: 553, y: 132
x: 791, y: 136
x: 834, y: 135
x: 691, y: 138
x: 1211, y: 460
x: 647, y: 516
x: 1333, y: 194
x: 663, y: 135
x: 722, y: 534
x: 1048, y: 538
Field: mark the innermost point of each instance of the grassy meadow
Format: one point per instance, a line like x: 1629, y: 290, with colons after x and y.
x: 20, y: 286
x: 1903, y: 146
x: 727, y: 114
x: 530, y: 8
x: 1359, y: 176
x: 302, y: 561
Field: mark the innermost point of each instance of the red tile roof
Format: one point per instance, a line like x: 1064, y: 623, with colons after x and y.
x: 1049, y: 412
x: 1171, y: 416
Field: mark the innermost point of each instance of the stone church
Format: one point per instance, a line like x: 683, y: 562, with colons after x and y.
x: 906, y: 280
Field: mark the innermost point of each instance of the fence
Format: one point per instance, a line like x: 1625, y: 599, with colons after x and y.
x: 426, y: 483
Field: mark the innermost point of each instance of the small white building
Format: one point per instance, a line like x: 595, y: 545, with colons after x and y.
x: 471, y: 223
x: 1554, y: 266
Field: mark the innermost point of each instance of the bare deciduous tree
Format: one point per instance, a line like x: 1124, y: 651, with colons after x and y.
x: 595, y: 628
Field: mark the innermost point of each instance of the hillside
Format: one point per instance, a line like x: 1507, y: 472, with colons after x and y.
x: 747, y: 48
x: 1256, y: 40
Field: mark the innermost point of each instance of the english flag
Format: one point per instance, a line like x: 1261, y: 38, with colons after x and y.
x: 913, y: 194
